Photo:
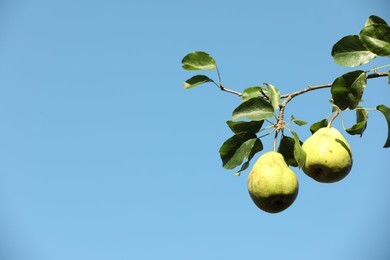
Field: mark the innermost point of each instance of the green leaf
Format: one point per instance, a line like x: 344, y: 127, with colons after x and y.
x: 196, y: 80
x: 347, y: 90
x: 257, y: 147
x: 386, y: 112
x: 274, y: 95
x: 245, y: 127
x: 198, y: 60
x: 361, y: 123
x: 361, y: 115
x: 373, y: 19
x: 255, y: 109
x: 244, y: 166
x: 286, y: 148
x: 240, y: 146
x: 350, y: 52
x: 299, y: 153
x: 376, y: 38
x: 250, y: 93
x: 357, y: 129
x: 320, y: 124
x: 298, y: 122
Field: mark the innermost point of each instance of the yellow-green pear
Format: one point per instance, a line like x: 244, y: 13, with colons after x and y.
x: 272, y: 185
x: 328, y: 156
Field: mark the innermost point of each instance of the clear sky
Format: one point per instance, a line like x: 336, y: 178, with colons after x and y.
x: 104, y: 156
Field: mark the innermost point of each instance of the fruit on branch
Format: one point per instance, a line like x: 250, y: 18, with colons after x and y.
x: 328, y: 156
x: 272, y: 185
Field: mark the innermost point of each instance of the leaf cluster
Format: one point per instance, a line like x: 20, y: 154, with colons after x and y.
x: 372, y: 41
x: 260, y: 104
x: 352, y: 51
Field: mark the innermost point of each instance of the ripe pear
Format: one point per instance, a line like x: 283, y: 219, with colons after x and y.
x: 272, y: 185
x: 328, y: 156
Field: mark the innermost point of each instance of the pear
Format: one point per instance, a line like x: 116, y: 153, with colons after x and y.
x: 328, y: 156
x: 272, y: 185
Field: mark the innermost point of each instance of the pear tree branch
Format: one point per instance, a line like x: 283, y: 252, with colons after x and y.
x: 288, y: 97
x: 230, y: 90
x: 309, y: 88
x: 280, y: 124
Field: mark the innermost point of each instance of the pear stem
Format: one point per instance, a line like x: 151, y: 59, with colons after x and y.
x: 333, y: 118
x: 276, y: 136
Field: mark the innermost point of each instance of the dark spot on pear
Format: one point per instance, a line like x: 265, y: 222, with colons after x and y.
x: 317, y: 172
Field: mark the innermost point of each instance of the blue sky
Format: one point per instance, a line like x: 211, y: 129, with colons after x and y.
x: 103, y: 155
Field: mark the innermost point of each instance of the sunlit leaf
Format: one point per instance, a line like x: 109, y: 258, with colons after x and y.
x: 274, y: 95
x: 298, y: 122
x: 373, y: 19
x: 240, y: 146
x: 386, y: 112
x: 286, y: 148
x: 376, y: 38
x: 320, y: 124
x: 250, y: 93
x: 255, y: 109
x: 257, y: 147
x: 245, y: 127
x: 347, y: 90
x: 299, y: 153
x: 350, y: 52
x: 198, y: 60
x: 196, y: 80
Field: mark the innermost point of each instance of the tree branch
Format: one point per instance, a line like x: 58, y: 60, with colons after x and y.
x: 377, y: 75
x: 310, y: 88
x: 288, y: 97
x: 230, y: 91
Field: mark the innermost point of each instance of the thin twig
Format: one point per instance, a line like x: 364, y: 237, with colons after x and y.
x: 310, y: 88
x: 287, y: 98
x: 263, y: 93
x: 377, y: 75
x: 230, y: 91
